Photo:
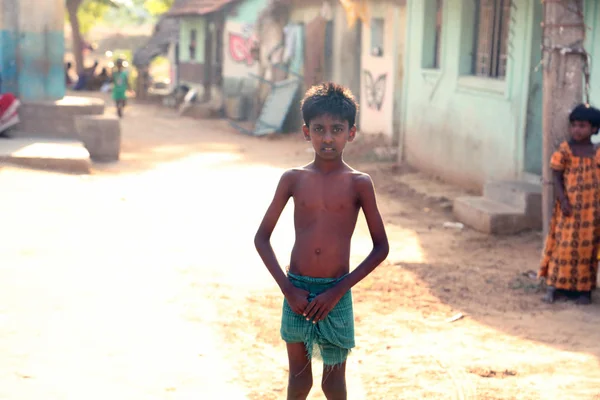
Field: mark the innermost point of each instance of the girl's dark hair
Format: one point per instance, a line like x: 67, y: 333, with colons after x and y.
x: 585, y: 112
x: 329, y: 99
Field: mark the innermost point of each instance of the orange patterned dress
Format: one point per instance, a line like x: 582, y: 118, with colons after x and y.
x: 570, y: 259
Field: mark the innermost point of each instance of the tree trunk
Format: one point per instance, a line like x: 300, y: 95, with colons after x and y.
x: 564, y: 33
x: 72, y: 8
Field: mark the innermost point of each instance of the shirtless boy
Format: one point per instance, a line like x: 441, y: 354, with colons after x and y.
x: 328, y: 194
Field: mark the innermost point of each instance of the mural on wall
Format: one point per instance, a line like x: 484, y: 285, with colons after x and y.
x: 377, y: 95
x: 375, y: 89
x: 240, y: 48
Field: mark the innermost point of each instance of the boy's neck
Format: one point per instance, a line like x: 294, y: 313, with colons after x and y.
x: 327, y: 166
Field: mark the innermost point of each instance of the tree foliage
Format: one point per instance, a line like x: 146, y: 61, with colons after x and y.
x: 92, y: 11
x: 157, y: 7
x: 84, y: 14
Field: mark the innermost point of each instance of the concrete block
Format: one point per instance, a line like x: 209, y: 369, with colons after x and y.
x: 489, y: 216
x: 47, y: 154
x: 101, y: 135
x: 56, y: 119
x: 525, y: 196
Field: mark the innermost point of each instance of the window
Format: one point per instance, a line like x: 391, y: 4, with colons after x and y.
x: 193, y: 38
x: 377, y: 37
x: 492, y: 19
x: 432, y: 34
x: 439, y: 4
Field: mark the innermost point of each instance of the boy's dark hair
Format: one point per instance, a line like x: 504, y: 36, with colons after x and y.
x: 585, y: 112
x: 329, y: 99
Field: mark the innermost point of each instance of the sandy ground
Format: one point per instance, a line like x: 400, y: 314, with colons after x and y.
x: 140, y: 281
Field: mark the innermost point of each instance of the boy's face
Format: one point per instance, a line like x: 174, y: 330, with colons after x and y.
x: 329, y: 135
x: 581, y: 130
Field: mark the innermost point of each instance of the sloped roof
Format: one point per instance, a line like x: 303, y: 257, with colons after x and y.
x: 166, y: 31
x: 196, y: 7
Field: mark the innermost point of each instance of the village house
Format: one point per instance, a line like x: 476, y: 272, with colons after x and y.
x: 357, y: 44
x: 473, y: 99
x: 200, y: 50
x: 164, y: 41
x: 472, y: 103
x: 456, y: 85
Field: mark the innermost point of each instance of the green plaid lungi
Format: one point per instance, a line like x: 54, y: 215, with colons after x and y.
x: 330, y: 339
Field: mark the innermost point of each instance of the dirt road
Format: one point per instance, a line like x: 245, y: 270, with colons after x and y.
x: 140, y: 281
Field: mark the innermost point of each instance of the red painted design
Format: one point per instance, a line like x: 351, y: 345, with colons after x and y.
x: 240, y: 49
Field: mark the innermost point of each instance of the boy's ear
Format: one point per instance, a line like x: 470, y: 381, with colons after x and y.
x: 306, y: 132
x: 352, y: 133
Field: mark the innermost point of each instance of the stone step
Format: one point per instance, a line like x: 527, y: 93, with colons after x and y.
x: 489, y: 216
x: 48, y: 154
x: 55, y: 119
x: 524, y: 196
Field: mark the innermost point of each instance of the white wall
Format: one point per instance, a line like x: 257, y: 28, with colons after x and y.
x: 378, y: 74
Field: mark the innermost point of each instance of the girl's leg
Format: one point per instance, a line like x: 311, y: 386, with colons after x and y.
x: 584, y: 298
x: 550, y: 296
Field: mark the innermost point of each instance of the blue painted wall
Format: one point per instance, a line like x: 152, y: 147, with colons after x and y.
x: 8, y: 62
x: 32, y: 49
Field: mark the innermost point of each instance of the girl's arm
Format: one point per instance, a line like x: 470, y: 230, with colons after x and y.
x: 559, y: 190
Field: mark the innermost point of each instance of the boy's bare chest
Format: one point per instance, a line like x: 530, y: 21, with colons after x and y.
x: 321, y: 195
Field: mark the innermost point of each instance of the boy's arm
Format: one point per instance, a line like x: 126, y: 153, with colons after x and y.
x: 263, y: 235
x: 381, y: 248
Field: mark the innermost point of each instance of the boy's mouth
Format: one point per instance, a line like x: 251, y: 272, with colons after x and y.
x: 328, y: 149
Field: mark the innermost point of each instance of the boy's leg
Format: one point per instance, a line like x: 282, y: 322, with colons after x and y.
x: 300, y: 379
x: 334, y: 382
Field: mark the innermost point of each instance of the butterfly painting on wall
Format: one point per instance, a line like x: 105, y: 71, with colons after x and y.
x: 375, y: 90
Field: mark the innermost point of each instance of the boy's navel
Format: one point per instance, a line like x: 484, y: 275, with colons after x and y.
x: 317, y: 251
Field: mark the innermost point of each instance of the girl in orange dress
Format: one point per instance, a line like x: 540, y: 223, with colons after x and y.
x: 570, y: 258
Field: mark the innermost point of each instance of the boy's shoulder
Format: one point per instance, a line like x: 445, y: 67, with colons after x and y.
x: 357, y: 179
x: 294, y: 172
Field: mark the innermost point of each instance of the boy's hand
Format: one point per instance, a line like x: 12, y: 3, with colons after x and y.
x: 297, y: 299
x: 322, y: 304
x: 565, y: 206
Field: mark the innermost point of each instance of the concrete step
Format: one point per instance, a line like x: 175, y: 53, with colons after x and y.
x: 55, y: 119
x: 48, y: 154
x: 524, y: 196
x: 488, y: 216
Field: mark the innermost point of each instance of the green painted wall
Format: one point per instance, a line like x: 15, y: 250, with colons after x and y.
x: 533, y: 139
x: 186, y: 27
x: 247, y: 12
x: 464, y: 128
x: 592, y: 14
x: 534, y: 128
